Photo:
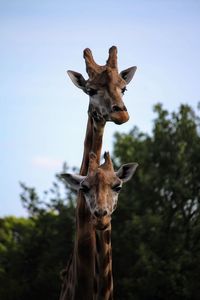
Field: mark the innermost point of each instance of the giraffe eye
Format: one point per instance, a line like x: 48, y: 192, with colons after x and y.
x: 91, y: 92
x: 123, y: 90
x: 117, y: 188
x: 84, y: 188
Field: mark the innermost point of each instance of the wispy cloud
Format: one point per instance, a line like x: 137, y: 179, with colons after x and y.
x: 46, y: 162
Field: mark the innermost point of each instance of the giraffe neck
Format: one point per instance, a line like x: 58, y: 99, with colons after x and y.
x: 87, y: 147
x: 79, y: 278
x: 85, y: 234
x: 103, y: 288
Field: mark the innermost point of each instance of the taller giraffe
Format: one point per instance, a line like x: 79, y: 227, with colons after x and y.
x: 105, y: 87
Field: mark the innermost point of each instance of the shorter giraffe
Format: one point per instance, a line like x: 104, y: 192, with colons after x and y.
x: 101, y: 188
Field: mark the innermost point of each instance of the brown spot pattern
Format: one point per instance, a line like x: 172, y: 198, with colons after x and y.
x: 106, y: 260
x: 96, y: 265
x: 107, y: 236
x: 98, y: 245
x: 106, y: 286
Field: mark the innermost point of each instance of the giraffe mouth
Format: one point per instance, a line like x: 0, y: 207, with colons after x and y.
x: 101, y: 223
x: 101, y: 226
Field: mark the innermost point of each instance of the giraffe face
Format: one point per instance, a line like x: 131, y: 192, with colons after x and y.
x: 105, y: 87
x: 106, y: 92
x: 101, y: 191
x: 101, y: 188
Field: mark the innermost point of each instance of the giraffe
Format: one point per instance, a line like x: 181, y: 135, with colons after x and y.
x: 105, y: 88
x: 101, y: 187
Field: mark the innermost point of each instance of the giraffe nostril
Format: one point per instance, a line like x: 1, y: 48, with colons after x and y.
x: 104, y: 212
x: 96, y: 213
x: 100, y: 213
x: 117, y: 108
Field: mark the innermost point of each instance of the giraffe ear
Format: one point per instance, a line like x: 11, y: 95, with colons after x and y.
x: 77, y: 79
x: 126, y: 171
x: 73, y: 180
x: 128, y: 74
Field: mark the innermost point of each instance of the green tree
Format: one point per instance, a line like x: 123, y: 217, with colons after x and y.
x: 156, y: 228
x: 33, y: 251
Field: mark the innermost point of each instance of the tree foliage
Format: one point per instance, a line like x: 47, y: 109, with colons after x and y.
x: 156, y: 227
x: 158, y: 216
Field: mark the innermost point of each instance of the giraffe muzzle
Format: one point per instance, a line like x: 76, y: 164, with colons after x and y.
x: 119, y: 115
x: 101, y: 219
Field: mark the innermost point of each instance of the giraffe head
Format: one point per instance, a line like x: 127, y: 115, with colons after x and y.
x: 105, y: 87
x: 101, y: 187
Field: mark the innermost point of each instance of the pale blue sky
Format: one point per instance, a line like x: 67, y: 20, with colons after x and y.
x: 43, y: 115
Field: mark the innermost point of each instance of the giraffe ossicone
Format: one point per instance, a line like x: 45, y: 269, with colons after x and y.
x: 105, y: 87
x: 101, y: 187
